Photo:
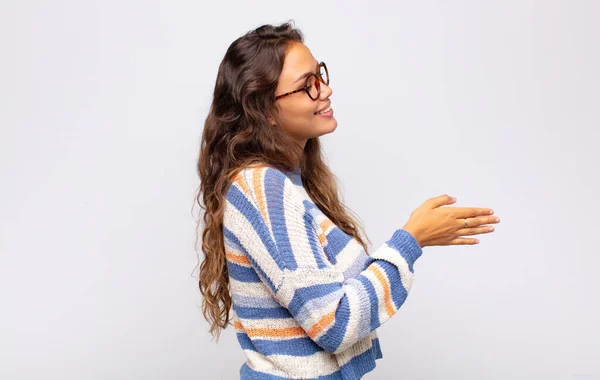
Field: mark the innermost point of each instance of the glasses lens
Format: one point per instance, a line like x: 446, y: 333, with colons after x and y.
x: 324, y: 74
x: 314, y: 86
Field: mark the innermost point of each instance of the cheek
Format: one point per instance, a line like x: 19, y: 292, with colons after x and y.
x: 299, y: 115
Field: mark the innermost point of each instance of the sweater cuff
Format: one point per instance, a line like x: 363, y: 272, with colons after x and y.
x: 403, y: 242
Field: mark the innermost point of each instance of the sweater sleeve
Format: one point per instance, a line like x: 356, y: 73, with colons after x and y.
x: 269, y: 220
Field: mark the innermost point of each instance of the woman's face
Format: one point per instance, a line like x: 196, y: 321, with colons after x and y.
x: 297, y: 112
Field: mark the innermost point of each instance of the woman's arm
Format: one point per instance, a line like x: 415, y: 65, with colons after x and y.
x: 267, y: 218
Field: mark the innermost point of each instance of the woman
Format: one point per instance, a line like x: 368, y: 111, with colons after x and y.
x: 306, y: 296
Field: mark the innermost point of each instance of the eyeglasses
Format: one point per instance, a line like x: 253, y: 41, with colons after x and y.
x: 313, y: 83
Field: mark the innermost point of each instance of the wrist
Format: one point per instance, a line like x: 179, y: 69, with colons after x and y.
x: 411, y: 230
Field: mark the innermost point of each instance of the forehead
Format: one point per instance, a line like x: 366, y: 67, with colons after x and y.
x: 298, y: 61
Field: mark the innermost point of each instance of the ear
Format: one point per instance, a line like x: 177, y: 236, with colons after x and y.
x: 272, y: 115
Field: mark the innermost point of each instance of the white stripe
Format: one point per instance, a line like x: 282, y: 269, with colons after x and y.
x: 391, y: 255
x: 237, y: 223
x: 347, y: 256
x: 270, y: 323
x: 250, y: 289
x: 247, y: 174
x: 304, y: 277
x: 357, y: 266
x: 315, y: 309
x: 293, y: 210
x: 299, y: 367
x: 232, y: 247
x: 379, y: 292
x: 352, y: 329
x: 358, y: 348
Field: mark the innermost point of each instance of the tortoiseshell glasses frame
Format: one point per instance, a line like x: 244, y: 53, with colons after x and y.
x: 306, y: 88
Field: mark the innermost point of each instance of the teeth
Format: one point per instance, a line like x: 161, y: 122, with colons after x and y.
x: 324, y: 111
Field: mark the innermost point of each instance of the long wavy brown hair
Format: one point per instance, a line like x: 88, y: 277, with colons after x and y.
x: 243, y: 129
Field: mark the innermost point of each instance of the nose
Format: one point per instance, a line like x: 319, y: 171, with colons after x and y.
x: 326, y: 91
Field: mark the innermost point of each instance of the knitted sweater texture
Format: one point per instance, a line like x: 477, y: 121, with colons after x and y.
x: 307, y: 299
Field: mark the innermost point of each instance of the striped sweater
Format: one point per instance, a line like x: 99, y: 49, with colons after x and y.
x: 307, y: 298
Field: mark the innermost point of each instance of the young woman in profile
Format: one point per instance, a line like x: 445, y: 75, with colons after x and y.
x: 281, y: 251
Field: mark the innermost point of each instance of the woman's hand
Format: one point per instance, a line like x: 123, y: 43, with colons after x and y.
x: 431, y: 224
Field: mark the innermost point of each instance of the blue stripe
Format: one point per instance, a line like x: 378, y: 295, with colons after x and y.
x: 241, y: 273
x: 247, y: 373
x: 235, y: 244
x: 357, y: 266
x: 311, y: 206
x: 303, y: 295
x: 337, y: 240
x: 261, y: 312
x: 294, y: 175
x: 399, y: 294
x: 274, y: 187
x: 245, y: 341
x: 295, y: 347
x: 374, y: 301
x: 229, y: 235
x: 334, y: 335
x: 249, y: 301
x: 354, y: 369
x: 361, y: 364
x: 364, y: 323
x: 240, y: 202
x: 313, y: 239
x: 317, y: 304
x: 377, y: 345
x: 403, y: 242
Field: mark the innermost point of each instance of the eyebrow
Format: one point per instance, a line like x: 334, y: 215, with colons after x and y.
x: 306, y: 74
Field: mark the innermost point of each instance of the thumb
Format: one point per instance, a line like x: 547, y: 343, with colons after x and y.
x: 442, y: 200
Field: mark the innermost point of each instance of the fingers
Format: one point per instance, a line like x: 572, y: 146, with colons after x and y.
x: 476, y: 227
x: 458, y: 212
x: 464, y: 241
x: 470, y: 212
x: 440, y: 201
x: 475, y: 222
x: 475, y: 231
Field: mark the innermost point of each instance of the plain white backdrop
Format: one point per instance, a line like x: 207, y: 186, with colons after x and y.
x: 102, y: 106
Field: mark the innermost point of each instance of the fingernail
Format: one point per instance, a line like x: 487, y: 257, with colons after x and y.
x: 491, y: 212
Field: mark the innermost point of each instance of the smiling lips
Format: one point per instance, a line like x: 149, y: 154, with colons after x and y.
x: 324, y: 110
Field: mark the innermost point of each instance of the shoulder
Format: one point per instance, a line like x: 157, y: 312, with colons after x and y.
x: 264, y: 186
x: 260, y: 177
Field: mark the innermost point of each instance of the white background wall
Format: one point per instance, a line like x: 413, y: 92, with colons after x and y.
x: 102, y: 106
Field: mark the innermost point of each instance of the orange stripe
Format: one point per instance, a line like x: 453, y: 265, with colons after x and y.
x: 266, y: 332
x: 322, y: 238
x: 237, y: 177
x: 257, y: 176
x: 321, y: 324
x: 386, y: 289
x: 237, y: 258
x: 283, y: 332
x: 325, y: 224
x: 240, y: 180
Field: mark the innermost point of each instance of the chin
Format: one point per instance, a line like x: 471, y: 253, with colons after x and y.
x: 333, y: 126
x: 329, y: 128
